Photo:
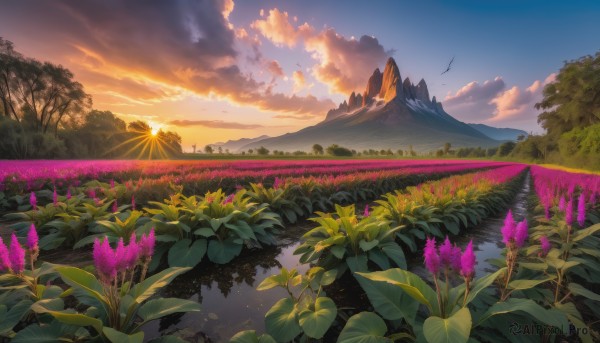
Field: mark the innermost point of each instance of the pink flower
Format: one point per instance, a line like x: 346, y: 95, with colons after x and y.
x: 69, y: 194
x: 32, y: 238
x: 446, y: 253
x: 120, y: 256
x: 133, y: 202
x: 468, y: 261
x: 277, y: 183
x: 581, y: 210
x: 55, y: 197
x: 33, y: 200
x: 366, y: 212
x: 229, y: 199
x: 569, y: 212
x: 112, y: 184
x: 147, y: 245
x: 16, y: 254
x: 92, y: 193
x: 593, y: 199
x: 509, y: 229
x: 132, y: 252
x: 562, y: 203
x: 115, y: 207
x: 4, y: 259
x: 105, y: 261
x: 546, y: 246
x: 456, y: 257
x: 432, y: 260
x: 521, y: 233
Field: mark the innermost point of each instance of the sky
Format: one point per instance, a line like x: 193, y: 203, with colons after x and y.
x: 214, y: 70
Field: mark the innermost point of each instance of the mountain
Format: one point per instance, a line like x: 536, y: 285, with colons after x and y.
x: 235, y: 145
x: 501, y: 134
x: 391, y: 113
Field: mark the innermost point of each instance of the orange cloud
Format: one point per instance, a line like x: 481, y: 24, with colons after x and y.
x: 299, y: 80
x: 278, y: 29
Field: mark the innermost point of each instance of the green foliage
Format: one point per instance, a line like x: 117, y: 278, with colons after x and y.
x: 343, y: 241
x: 336, y: 150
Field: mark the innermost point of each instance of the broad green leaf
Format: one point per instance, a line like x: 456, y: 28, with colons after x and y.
x: 387, y: 301
x: 357, y: 263
x: 83, y: 280
x: 11, y: 317
x: 119, y: 337
x: 364, y: 327
x: 35, y: 333
x: 527, y: 284
x: 222, y: 252
x: 578, y: 289
x: 281, y: 322
x: 395, y: 253
x: 366, y: 246
x: 250, y: 336
x: 455, y: 329
x: 581, y: 234
x: 70, y: 318
x: 182, y: 254
x: 528, y: 306
x: 410, y: 283
x: 151, y: 285
x: 316, y: 323
x: 157, y: 308
x: 482, y: 283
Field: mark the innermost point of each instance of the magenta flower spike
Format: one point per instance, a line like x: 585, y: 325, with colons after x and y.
x: 92, y: 193
x: 105, y: 261
x: 115, y: 207
x: 521, y: 234
x: 133, y: 202
x: 445, y: 251
x: 432, y: 260
x: 16, y: 255
x: 546, y: 245
x: 68, y: 194
x: 33, y: 201
x: 147, y: 244
x: 32, y: 238
x: 468, y: 261
x: 366, y: 212
x: 562, y: 204
x: 593, y: 199
x: 456, y: 257
x: 277, y: 183
x: 509, y: 229
x: 569, y: 212
x: 133, y: 252
x: 112, y: 184
x: 581, y: 210
x: 4, y: 259
x: 120, y: 256
x: 55, y: 197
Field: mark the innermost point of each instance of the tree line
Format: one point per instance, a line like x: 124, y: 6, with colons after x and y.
x: 46, y: 113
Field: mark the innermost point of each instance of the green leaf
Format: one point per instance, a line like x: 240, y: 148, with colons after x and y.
x: 83, y: 280
x: 40, y: 334
x: 527, y: 284
x: 387, y: 301
x: 222, y: 252
x: 11, y: 317
x: 118, y: 337
x: 395, y: 253
x: 410, y: 283
x: 358, y: 263
x: 581, y: 234
x: 281, y: 322
x: 182, y: 254
x: 364, y: 327
x: 157, y: 308
x: 528, y: 306
x: 455, y: 329
x: 69, y: 318
x: 151, y: 285
x: 205, y: 232
x: 249, y: 336
x: 578, y: 289
x: 482, y: 283
x: 366, y: 246
x: 316, y: 323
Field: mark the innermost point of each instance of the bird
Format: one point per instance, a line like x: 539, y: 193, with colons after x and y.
x: 449, y: 66
x: 299, y: 66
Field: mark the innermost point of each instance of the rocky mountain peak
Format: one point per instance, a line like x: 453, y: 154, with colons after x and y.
x: 391, y: 86
x: 422, y: 93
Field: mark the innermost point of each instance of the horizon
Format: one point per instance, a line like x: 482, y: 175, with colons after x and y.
x: 224, y: 71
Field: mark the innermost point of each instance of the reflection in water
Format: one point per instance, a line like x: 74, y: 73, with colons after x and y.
x: 231, y: 303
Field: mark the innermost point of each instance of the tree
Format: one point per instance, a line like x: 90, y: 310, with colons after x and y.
x: 262, y: 151
x: 250, y: 151
x: 573, y: 99
x: 336, y: 150
x: 400, y: 152
x: 506, y: 148
x: 220, y: 149
x: 317, y: 149
x: 208, y: 149
x: 447, y: 147
x: 39, y: 95
x: 520, y: 138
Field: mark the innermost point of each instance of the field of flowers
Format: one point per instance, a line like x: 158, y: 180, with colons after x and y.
x: 142, y: 224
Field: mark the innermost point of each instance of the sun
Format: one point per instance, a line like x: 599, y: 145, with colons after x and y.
x: 154, y: 131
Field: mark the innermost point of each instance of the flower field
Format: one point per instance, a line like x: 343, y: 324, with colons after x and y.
x: 365, y: 226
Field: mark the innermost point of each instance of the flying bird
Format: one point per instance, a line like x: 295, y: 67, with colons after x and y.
x: 299, y: 66
x: 449, y: 66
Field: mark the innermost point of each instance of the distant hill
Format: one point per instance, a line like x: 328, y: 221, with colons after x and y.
x: 390, y: 113
x: 235, y: 145
x: 501, y: 134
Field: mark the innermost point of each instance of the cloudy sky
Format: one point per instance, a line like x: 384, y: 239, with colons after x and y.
x: 215, y: 70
